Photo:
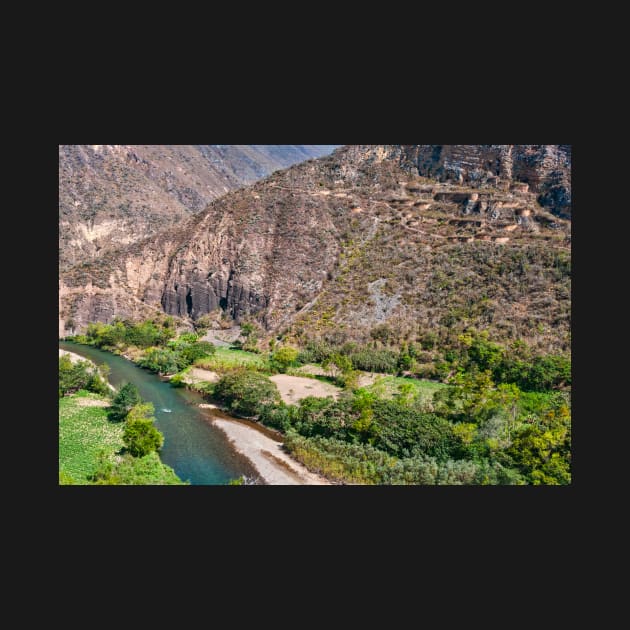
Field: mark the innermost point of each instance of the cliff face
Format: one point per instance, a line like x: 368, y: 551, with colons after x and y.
x: 546, y: 168
x: 339, y: 245
x: 112, y: 195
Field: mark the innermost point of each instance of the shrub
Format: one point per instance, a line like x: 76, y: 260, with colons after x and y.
x: 162, y: 360
x: 74, y: 376
x: 142, y: 471
x: 283, y: 358
x: 246, y: 392
x: 141, y: 437
x: 372, y: 360
x: 127, y: 397
x: 406, y: 432
x: 197, y: 350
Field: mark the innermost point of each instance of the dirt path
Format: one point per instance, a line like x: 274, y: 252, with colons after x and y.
x: 294, y: 388
x: 272, y: 463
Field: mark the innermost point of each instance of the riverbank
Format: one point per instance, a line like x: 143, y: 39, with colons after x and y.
x: 77, y: 357
x: 274, y: 466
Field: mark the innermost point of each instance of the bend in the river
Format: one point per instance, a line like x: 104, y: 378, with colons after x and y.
x: 193, y: 447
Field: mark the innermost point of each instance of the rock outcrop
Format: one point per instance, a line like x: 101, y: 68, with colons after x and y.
x: 546, y: 168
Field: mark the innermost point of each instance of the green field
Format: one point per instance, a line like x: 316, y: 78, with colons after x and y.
x: 387, y: 387
x: 83, y: 433
x: 225, y: 359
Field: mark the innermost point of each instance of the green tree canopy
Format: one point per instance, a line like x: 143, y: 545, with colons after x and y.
x: 123, y: 402
x: 246, y: 392
x: 284, y: 357
x: 141, y: 437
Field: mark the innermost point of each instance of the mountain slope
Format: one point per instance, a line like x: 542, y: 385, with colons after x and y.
x: 362, y: 241
x: 111, y: 195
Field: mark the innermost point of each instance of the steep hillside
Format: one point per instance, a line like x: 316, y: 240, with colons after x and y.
x: 359, y: 244
x: 111, y: 195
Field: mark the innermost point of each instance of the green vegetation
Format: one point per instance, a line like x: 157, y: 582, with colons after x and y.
x: 141, y: 437
x: 136, y: 471
x: 246, y: 392
x: 400, y: 430
x: 84, y: 432
x: 441, y: 357
x: 422, y: 391
x: 283, y: 358
x: 500, y: 415
x: 74, y: 376
x: 126, y: 398
x: 226, y: 359
x: 92, y: 447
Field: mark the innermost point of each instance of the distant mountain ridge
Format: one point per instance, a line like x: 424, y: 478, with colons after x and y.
x: 112, y: 195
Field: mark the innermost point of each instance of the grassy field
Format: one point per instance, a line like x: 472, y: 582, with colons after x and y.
x: 225, y: 359
x: 387, y: 387
x: 83, y: 432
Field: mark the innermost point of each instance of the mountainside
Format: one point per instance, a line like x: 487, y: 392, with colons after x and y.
x: 390, y: 240
x: 111, y: 195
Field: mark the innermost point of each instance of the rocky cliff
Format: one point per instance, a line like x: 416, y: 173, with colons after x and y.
x: 400, y: 236
x: 546, y: 168
x: 111, y: 195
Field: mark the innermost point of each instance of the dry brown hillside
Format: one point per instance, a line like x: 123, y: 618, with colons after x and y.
x: 112, y: 195
x: 389, y: 239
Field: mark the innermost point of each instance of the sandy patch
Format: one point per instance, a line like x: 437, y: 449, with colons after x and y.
x: 294, y: 388
x: 365, y: 378
x: 197, y: 375
x: 73, y: 357
x: 272, y: 463
x: 90, y: 402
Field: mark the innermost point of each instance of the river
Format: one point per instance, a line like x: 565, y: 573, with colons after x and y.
x: 197, y: 451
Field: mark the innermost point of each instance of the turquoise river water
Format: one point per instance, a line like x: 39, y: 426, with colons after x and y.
x: 197, y: 451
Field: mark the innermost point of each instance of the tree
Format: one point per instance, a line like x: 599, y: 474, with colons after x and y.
x: 469, y: 399
x: 284, y: 357
x: 246, y: 392
x: 337, y: 365
x: 72, y: 376
x: 542, y: 452
x: 198, y: 350
x: 141, y: 411
x: 141, y: 437
x: 123, y: 402
x: 407, y: 394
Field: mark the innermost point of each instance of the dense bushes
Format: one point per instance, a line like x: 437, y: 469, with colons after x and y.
x: 245, y: 392
x: 474, y: 432
x: 178, y: 354
x: 373, y: 360
x: 126, y: 398
x: 79, y: 375
x: 469, y: 351
x: 136, y: 471
x: 141, y: 437
x: 364, y: 464
x: 406, y: 432
x: 142, y: 334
